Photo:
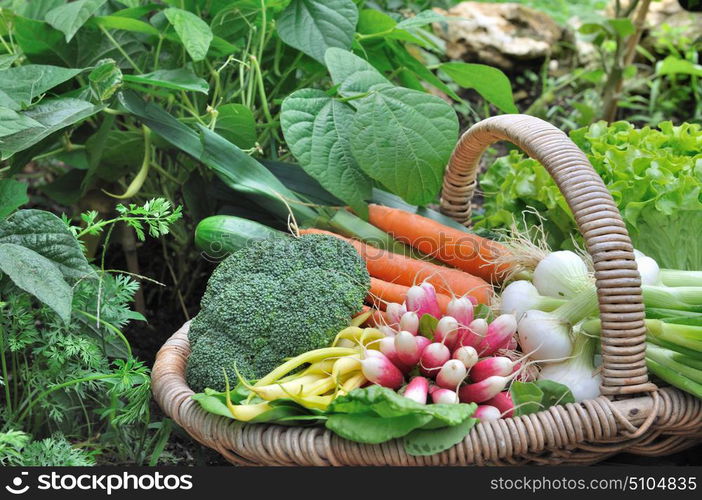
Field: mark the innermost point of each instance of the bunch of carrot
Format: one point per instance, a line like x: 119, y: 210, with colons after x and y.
x: 474, y: 260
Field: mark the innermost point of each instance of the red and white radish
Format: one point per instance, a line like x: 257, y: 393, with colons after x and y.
x: 410, y: 322
x: 479, y: 392
x: 487, y: 413
x: 446, y: 332
x: 417, y: 390
x: 444, y: 396
x: 394, y: 312
x: 387, y: 347
x: 498, y: 335
x: 422, y: 343
x: 433, y: 358
x: 451, y: 374
x: 503, y: 402
x: 475, y: 333
x: 378, y: 369
x: 422, y: 300
x: 466, y: 355
x: 407, y: 348
x: 495, y: 365
x: 461, y: 308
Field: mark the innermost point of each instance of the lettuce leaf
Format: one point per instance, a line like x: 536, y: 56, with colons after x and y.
x: 653, y: 174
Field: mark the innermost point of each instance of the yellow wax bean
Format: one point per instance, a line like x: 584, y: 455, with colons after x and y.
x: 307, y: 357
x: 361, y: 318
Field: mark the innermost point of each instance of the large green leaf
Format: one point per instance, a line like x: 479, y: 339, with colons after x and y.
x: 352, y: 74
x: 69, y: 17
x: 421, y: 19
x: 124, y: 23
x: 41, y: 43
x: 403, y: 138
x: 430, y: 441
x: 178, y: 79
x: 489, y: 82
x: 313, y: 26
x: 47, y: 235
x: 373, y: 429
x: 52, y: 115
x: 24, y: 83
x: 236, y: 123
x: 13, y: 194
x: 317, y: 129
x: 193, y: 32
x: 37, y: 275
x: 12, y: 122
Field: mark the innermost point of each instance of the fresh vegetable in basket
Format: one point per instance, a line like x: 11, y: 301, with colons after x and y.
x: 271, y: 300
x: 654, y: 175
x: 556, y: 326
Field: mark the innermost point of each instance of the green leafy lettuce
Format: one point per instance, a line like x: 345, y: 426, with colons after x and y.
x: 653, y: 174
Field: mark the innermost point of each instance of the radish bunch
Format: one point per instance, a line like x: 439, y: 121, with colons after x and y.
x: 463, y: 362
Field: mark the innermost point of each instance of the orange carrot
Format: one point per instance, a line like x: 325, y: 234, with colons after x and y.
x: 466, y: 251
x: 382, y: 292
x: 395, y: 268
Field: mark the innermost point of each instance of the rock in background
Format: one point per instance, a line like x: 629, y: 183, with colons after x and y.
x: 505, y: 35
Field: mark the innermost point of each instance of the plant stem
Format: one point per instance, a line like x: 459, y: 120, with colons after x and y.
x: 120, y: 49
x: 5, y: 373
x: 673, y: 277
x: 110, y: 326
x: 583, y: 305
x: 55, y: 388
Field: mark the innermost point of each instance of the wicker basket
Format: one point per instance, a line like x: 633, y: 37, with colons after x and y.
x: 633, y: 415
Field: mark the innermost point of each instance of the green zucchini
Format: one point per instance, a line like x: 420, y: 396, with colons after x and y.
x: 220, y: 235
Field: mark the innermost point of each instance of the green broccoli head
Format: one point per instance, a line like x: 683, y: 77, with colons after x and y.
x: 271, y: 301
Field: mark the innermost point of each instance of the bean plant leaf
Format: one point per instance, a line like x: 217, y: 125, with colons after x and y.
x: 313, y: 26
x: 13, y: 194
x: 317, y: 129
x: 421, y: 19
x: 177, y: 79
x: 236, y: 123
x: 48, y: 236
x: 193, y: 32
x: 41, y: 43
x: 69, y: 17
x: 37, y: 275
x: 124, y: 23
x: 489, y: 82
x: 6, y: 60
x: 52, y: 115
x: 403, y: 139
x: 12, y: 122
x: 23, y: 83
x: 352, y: 74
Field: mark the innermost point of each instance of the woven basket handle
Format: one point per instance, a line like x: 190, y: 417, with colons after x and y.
x: 598, y: 219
